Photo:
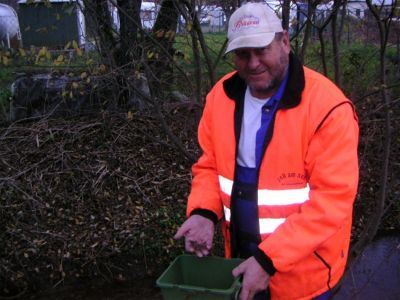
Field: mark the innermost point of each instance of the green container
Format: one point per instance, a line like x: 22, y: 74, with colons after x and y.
x: 194, y: 278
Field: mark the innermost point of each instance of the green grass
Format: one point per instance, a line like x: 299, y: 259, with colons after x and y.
x: 215, y: 42
x: 359, y: 63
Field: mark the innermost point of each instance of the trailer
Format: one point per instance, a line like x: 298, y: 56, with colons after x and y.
x: 51, y: 23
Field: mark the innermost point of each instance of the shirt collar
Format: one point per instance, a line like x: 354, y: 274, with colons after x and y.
x: 279, y: 93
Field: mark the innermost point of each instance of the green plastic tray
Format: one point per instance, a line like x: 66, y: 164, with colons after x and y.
x: 194, y: 278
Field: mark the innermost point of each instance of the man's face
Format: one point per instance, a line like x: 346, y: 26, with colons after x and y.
x: 263, y: 68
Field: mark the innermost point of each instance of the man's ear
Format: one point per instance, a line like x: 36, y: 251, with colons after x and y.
x: 286, y: 41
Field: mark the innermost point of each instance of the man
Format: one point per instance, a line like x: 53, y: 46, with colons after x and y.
x: 279, y: 167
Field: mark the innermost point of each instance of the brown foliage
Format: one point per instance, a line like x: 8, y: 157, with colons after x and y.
x: 97, y: 196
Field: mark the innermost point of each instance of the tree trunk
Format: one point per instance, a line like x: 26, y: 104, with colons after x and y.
x: 342, y: 20
x: 163, y: 32
x: 99, y: 17
x: 336, y: 51
x: 321, y: 30
x: 200, y: 37
x: 323, y: 53
x: 310, y: 14
x: 285, y: 14
x: 196, y: 53
x: 130, y: 25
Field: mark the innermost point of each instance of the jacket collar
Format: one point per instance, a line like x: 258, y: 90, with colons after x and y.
x: 235, y: 87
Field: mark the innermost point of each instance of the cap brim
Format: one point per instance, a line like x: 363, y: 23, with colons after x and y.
x: 250, y: 41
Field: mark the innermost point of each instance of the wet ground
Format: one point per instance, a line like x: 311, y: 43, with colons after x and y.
x: 376, y: 273
x: 143, y: 289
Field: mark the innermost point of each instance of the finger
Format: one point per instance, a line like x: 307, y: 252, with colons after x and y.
x: 244, y: 294
x: 209, y: 245
x: 251, y: 296
x: 189, y: 246
x: 199, y: 253
x: 200, y: 249
x: 182, y: 231
x: 205, y: 252
x: 237, y: 271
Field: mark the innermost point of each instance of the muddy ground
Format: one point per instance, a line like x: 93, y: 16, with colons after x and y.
x: 141, y: 289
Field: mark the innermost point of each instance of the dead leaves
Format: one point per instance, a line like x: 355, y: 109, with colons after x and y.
x: 87, y: 194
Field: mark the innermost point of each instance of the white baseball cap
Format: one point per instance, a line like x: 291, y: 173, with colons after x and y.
x: 252, y: 25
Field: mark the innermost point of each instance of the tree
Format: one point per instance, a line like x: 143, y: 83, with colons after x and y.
x: 163, y: 32
x: 101, y: 28
x: 130, y: 26
x: 384, y: 18
x: 335, y: 44
x: 309, y: 15
x: 286, y: 14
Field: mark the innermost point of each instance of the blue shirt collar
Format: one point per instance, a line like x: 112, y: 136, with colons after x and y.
x: 279, y: 93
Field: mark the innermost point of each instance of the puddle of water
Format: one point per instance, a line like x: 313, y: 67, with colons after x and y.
x: 375, y: 274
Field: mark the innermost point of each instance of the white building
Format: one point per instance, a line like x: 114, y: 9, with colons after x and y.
x: 357, y: 8
x: 148, y: 14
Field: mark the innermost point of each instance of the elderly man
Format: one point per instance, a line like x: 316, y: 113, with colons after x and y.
x: 279, y: 167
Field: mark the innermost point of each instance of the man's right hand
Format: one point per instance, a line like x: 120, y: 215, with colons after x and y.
x: 199, y: 233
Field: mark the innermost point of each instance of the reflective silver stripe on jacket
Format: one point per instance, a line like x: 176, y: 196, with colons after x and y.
x: 268, y: 198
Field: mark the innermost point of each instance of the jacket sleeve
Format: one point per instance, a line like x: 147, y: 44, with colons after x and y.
x: 205, y: 191
x: 332, y: 169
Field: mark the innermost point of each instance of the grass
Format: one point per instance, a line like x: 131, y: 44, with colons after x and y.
x: 215, y: 42
x: 359, y: 64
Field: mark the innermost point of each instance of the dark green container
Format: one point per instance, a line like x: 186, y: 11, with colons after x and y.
x: 194, y: 278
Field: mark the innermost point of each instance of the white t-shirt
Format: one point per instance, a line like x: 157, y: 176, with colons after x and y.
x: 250, y: 124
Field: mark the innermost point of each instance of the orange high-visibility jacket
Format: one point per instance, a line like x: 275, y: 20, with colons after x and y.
x: 307, y: 181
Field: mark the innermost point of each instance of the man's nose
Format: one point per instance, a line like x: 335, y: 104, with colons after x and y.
x: 253, y: 61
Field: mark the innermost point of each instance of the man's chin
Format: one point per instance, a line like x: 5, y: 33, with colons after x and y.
x: 260, y: 88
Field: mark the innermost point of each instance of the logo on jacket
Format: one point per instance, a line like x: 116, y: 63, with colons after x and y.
x: 291, y: 178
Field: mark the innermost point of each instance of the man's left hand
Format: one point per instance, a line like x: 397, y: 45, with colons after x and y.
x: 255, y: 279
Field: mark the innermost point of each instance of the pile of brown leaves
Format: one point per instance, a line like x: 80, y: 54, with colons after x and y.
x: 86, y: 197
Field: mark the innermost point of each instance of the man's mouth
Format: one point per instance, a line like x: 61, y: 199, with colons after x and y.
x: 257, y: 73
